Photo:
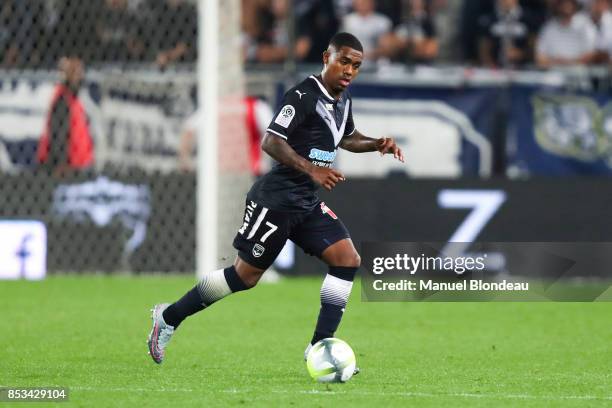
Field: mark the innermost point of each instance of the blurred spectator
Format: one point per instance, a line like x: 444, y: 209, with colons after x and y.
x: 471, y: 13
x: 601, y: 16
x: 249, y: 25
x: 272, y: 42
x: 415, y: 38
x: 507, y: 35
x: 170, y: 30
x: 66, y: 142
x: 75, y: 30
x: 539, y: 10
x: 16, y: 32
x: 394, y: 9
x: 249, y: 16
x: 368, y: 26
x: 566, y: 39
x: 116, y: 33
x: 47, y: 19
x: 446, y: 15
x: 316, y: 24
x: 342, y: 8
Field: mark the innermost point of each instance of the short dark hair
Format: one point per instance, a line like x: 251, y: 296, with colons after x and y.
x: 345, y: 40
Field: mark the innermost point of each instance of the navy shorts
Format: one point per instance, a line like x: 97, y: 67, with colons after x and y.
x: 264, y: 232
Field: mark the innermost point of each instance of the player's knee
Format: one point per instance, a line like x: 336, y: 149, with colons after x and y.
x: 350, y: 259
x: 355, y: 260
x: 249, y: 275
x: 250, y: 279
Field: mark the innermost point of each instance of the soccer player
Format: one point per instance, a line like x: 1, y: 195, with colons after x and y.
x: 315, y: 119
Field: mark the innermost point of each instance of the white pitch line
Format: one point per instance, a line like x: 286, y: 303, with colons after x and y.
x: 362, y: 393
x: 461, y: 394
x: 126, y: 389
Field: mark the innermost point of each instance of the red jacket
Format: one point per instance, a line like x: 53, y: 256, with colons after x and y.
x: 254, y: 135
x: 80, y: 143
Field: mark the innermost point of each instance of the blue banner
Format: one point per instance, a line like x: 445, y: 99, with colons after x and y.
x: 555, y: 132
x: 452, y: 128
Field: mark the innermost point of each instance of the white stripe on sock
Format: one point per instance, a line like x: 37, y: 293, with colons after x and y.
x: 213, y: 287
x: 335, y: 290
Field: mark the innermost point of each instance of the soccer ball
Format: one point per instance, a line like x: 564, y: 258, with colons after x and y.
x: 331, y: 360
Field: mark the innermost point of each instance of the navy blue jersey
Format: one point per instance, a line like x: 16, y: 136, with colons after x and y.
x: 313, y: 123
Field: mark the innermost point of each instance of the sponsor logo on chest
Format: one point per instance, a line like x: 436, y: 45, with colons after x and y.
x: 322, y: 158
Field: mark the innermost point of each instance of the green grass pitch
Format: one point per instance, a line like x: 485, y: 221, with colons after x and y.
x: 89, y: 333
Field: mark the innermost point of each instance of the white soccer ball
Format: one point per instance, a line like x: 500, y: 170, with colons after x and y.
x: 331, y: 360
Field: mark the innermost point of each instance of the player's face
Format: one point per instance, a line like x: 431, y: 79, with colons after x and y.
x: 341, y: 67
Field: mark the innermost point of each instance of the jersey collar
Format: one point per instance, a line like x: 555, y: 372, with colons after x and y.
x: 322, y: 88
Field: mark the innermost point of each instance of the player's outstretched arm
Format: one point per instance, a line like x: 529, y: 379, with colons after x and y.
x: 280, y: 151
x: 359, y: 143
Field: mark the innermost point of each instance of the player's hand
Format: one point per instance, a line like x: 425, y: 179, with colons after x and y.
x: 326, y: 177
x: 386, y: 145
